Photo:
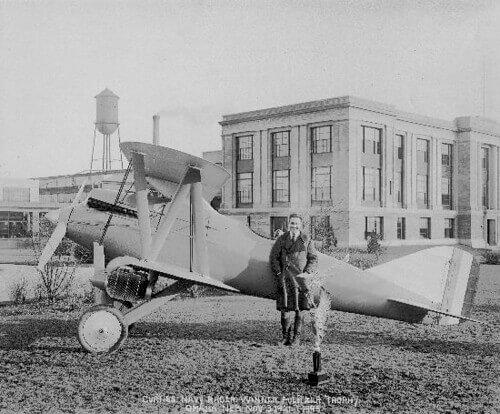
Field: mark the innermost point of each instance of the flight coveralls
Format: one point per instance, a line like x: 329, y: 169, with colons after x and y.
x: 289, y: 258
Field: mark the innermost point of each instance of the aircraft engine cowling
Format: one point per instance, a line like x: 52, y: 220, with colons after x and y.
x: 127, y: 284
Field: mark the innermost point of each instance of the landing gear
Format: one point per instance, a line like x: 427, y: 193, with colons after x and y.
x: 123, y: 307
x: 102, y: 329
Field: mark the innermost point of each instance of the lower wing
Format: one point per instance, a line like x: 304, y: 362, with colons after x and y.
x: 170, y: 271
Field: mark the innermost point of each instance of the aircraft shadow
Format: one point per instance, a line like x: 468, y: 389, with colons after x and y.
x: 268, y: 333
x: 39, y: 334
x: 24, y: 334
x: 417, y: 344
x: 257, y: 331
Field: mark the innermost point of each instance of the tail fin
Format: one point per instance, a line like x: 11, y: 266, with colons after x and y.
x: 445, y: 275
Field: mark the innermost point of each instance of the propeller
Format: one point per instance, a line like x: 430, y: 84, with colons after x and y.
x: 78, y: 196
x: 62, y: 219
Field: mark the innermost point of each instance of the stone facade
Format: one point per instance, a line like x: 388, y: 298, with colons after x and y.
x: 375, y: 184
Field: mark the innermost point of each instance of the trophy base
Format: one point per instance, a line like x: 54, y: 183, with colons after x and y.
x: 317, y: 378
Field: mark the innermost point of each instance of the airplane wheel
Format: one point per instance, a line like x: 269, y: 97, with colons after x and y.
x: 102, y: 329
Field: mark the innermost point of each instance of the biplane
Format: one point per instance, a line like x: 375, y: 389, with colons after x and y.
x: 137, y: 240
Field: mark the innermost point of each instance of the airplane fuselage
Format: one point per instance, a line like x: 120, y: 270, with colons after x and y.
x: 239, y: 258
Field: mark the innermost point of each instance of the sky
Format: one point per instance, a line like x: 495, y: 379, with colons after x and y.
x: 195, y: 61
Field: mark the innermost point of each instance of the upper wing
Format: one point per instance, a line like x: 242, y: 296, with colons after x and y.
x: 170, y: 165
x: 171, y: 271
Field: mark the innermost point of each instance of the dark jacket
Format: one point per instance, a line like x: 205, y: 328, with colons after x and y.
x: 289, y: 259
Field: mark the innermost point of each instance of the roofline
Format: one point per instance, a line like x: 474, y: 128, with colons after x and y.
x: 458, y: 124
x: 311, y: 106
x: 94, y: 173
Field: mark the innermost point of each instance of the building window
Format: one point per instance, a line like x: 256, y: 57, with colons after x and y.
x: 281, y: 186
x: 244, y: 188
x: 446, y: 155
x: 446, y: 192
x: 401, y: 228
x: 281, y: 144
x: 422, y: 189
x: 400, y: 147
x: 449, y: 225
x: 245, y: 147
x: 371, y: 184
x: 485, y: 163
x: 278, y: 223
x: 425, y: 227
x: 374, y: 226
x: 398, y: 186
x: 17, y: 194
x: 321, y: 183
x: 14, y: 225
x: 371, y: 140
x: 319, y: 226
x: 321, y: 139
x: 422, y: 150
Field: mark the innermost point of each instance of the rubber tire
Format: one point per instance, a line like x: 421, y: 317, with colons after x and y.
x: 119, y: 317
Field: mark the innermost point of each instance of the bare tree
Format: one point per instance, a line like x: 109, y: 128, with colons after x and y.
x: 58, y: 274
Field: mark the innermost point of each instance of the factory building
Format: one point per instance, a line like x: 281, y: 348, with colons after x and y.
x: 24, y: 203
x: 363, y: 167
x: 62, y: 189
x: 20, y: 212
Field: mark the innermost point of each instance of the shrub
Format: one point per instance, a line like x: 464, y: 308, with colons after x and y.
x: 56, y: 279
x: 83, y: 255
x: 374, y: 246
x: 492, y: 257
x: 58, y: 274
x: 355, y: 257
x: 19, y: 291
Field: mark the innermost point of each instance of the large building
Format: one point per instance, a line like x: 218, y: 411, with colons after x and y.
x: 20, y: 213
x: 364, y: 167
x: 24, y: 202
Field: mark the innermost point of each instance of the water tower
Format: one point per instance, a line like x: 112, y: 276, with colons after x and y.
x: 107, y: 124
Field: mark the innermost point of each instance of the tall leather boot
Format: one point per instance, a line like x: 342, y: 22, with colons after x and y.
x: 297, y: 328
x: 286, y: 327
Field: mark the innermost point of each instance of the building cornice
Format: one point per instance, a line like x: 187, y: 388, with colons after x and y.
x: 466, y: 123
x: 426, y: 121
x: 478, y: 124
x: 307, y: 107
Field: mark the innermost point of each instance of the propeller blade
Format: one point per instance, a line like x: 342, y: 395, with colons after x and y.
x: 51, y: 245
x: 55, y: 238
x: 79, y: 194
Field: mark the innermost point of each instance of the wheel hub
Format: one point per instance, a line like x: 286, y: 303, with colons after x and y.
x: 102, y: 329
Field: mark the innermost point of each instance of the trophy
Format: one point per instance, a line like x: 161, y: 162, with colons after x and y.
x: 317, y: 377
x: 319, y: 299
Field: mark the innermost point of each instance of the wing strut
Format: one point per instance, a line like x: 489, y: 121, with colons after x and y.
x: 190, y: 184
x: 190, y: 176
x: 141, y: 196
x: 200, y: 262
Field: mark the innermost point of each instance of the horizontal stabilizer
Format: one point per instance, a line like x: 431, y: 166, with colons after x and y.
x: 411, y: 304
x: 170, y: 271
x: 446, y: 276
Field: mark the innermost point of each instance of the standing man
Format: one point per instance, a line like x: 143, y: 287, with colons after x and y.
x: 293, y: 253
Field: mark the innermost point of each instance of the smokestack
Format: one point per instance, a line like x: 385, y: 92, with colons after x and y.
x: 156, y: 129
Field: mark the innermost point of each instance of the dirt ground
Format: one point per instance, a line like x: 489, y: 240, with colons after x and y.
x: 219, y: 354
